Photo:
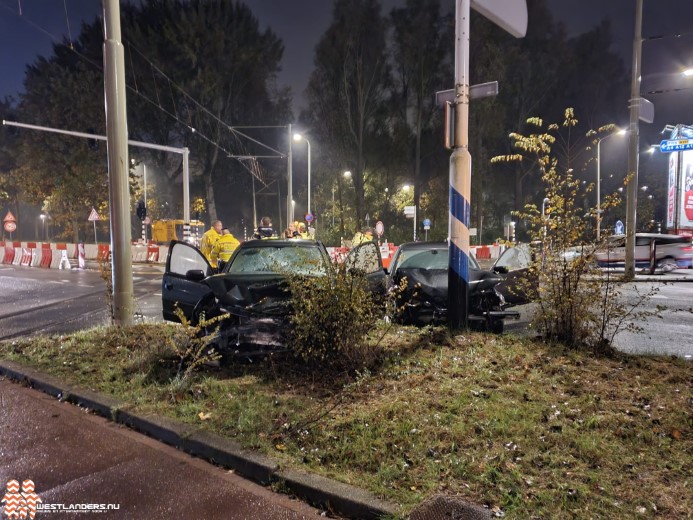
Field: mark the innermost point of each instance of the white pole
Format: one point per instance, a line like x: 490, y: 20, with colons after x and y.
x: 290, y: 192
x: 634, y: 138
x: 599, y: 183
x: 117, y: 139
x: 308, y: 143
x: 460, y: 177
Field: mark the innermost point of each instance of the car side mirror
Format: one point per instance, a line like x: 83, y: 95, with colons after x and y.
x: 195, y: 275
x: 501, y: 269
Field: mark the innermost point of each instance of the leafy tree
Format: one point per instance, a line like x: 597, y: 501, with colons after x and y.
x: 578, y: 304
x: 209, y: 66
x: 347, y: 90
x: 423, y: 39
x: 65, y: 174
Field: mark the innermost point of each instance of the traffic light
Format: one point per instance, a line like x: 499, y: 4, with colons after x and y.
x: 141, y: 210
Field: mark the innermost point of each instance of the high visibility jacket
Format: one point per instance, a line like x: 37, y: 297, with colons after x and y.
x: 224, y: 248
x: 360, y: 238
x: 207, y: 242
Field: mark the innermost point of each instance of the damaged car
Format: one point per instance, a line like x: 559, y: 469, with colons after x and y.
x: 250, y: 296
x: 419, y: 277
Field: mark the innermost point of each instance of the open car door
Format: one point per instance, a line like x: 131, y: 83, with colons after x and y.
x: 182, y: 286
x: 366, y: 259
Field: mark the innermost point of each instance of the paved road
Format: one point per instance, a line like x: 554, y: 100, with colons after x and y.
x: 48, y: 300
x: 77, y: 458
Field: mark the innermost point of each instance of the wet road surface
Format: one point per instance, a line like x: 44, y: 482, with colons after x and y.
x: 76, y: 458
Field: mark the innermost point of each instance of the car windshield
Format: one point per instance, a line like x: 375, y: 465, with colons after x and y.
x: 307, y: 261
x: 428, y: 259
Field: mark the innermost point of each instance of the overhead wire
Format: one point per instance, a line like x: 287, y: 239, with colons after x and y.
x: 171, y: 84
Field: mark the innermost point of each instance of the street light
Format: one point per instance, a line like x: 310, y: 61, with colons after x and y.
x: 299, y: 137
x: 599, y: 180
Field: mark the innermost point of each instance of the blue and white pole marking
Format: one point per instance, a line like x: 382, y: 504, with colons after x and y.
x: 460, y: 178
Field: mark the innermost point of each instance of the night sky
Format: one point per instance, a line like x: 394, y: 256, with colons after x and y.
x: 300, y: 23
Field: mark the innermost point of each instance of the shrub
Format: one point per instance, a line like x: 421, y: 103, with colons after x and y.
x: 331, y: 318
x: 579, y: 305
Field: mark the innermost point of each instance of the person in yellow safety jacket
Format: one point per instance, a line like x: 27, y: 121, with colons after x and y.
x: 209, y: 238
x: 224, y: 248
x: 303, y: 232
x: 363, y: 236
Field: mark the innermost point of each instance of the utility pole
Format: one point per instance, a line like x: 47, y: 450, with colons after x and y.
x: 633, y: 144
x: 117, y: 139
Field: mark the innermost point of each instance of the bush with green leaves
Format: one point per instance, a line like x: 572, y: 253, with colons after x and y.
x: 579, y: 305
x: 331, y: 318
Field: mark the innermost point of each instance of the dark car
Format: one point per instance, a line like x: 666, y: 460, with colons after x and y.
x: 423, y: 299
x: 252, y: 289
x: 514, y: 265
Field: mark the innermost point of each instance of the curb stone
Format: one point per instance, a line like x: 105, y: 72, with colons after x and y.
x: 334, y: 496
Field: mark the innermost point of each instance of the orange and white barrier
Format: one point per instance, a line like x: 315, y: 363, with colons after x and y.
x: 58, y: 255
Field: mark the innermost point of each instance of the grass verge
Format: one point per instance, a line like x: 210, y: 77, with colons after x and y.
x: 531, y: 430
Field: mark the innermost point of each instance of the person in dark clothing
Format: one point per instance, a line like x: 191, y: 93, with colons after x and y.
x: 265, y: 229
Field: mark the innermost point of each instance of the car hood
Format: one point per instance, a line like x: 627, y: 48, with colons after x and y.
x: 432, y: 284
x: 243, y: 294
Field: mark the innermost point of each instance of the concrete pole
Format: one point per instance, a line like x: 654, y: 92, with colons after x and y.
x: 290, y: 193
x: 460, y: 178
x: 144, y: 226
x: 117, y: 139
x: 633, y: 143
x: 308, y: 143
x: 186, y: 195
x: 599, y: 197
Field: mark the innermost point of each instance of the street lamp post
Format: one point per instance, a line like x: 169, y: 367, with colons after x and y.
x: 43, y: 226
x: 599, y: 180
x: 299, y: 137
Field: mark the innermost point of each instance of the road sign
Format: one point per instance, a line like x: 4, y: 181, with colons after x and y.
x: 511, y: 16
x: 618, y: 228
x: 93, y: 216
x: 9, y: 217
x: 309, y: 217
x: 409, y: 211
x: 379, y: 228
x: 427, y: 223
x: 10, y: 226
x: 675, y: 145
x: 147, y: 220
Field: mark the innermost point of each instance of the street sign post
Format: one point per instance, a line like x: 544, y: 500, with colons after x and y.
x: 675, y: 145
x: 93, y: 217
x: 379, y: 228
x: 511, y: 16
x: 410, y: 212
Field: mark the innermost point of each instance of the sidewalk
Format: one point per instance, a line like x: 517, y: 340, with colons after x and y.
x: 336, y: 497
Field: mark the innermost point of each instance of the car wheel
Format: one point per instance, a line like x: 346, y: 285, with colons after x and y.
x: 667, y: 264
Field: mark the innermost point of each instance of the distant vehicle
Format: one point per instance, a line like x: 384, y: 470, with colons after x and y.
x: 671, y: 251
x: 251, y: 288
x: 165, y: 230
x: 423, y: 299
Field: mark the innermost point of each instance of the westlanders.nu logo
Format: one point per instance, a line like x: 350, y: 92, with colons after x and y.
x: 20, y: 505
x: 27, y: 503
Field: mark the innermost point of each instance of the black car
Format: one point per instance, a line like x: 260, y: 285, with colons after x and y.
x: 423, y: 299
x: 251, y: 288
